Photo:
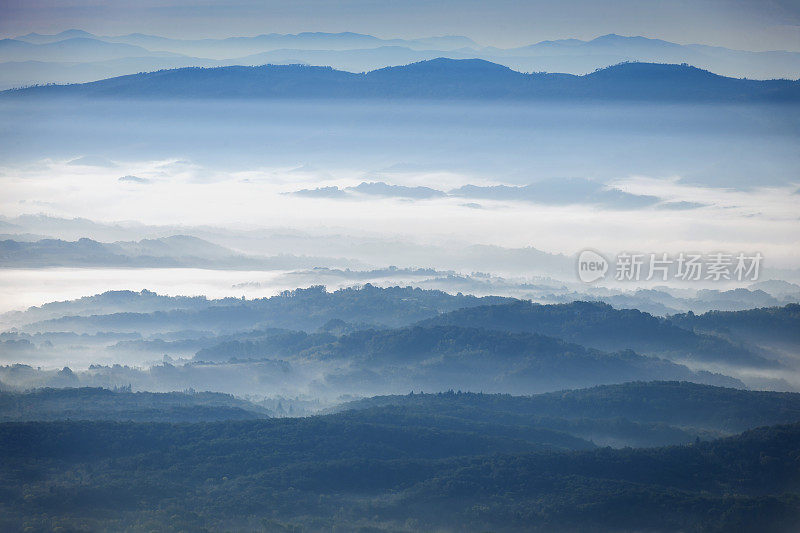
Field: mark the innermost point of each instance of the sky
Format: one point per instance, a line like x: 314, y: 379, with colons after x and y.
x: 742, y: 24
x: 226, y: 164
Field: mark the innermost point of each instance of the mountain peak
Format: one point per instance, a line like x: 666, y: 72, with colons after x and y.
x: 44, y: 38
x: 611, y: 37
x: 445, y: 64
x: 645, y: 71
x: 615, y: 39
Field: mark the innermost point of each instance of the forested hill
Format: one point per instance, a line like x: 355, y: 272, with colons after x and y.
x: 441, y: 357
x: 306, y: 309
x: 630, y: 414
x: 433, y: 462
x: 433, y: 79
x: 602, y: 326
x: 675, y: 403
x: 323, y: 473
x: 766, y: 324
x: 102, y: 404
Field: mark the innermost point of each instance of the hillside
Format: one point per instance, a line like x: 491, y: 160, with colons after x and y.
x: 439, y: 78
x: 679, y: 404
x: 306, y: 309
x: 167, y: 252
x: 103, y: 404
x: 602, y: 326
x: 763, y: 325
x: 634, y: 414
x: 443, y: 357
x: 76, y: 56
x: 307, y: 474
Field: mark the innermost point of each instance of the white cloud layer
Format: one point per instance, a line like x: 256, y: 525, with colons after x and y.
x: 178, y: 191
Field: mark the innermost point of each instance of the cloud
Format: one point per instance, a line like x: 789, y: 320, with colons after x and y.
x: 92, y: 161
x: 680, y: 206
x: 181, y: 192
x: 133, y: 179
x: 379, y: 188
x: 764, y: 202
x: 555, y: 191
x: 550, y: 192
x: 375, y: 188
x: 322, y: 192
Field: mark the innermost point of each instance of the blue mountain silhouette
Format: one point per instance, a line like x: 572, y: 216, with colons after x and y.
x: 438, y: 79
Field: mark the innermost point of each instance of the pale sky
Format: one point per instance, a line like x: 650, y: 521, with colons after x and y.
x: 743, y: 24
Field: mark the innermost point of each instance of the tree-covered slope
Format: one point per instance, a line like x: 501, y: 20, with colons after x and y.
x: 762, y: 325
x: 602, y: 326
x: 316, y: 473
x: 103, y: 404
x: 682, y: 404
x: 443, y: 357
x: 305, y: 309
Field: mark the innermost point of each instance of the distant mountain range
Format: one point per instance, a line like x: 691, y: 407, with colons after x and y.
x: 435, y: 79
x: 705, y: 337
x: 76, y: 56
x: 165, y: 252
x: 372, y: 340
x: 70, y: 50
x: 238, y: 46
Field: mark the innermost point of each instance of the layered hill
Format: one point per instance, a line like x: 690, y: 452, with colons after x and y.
x: 389, y: 475
x: 76, y: 56
x: 600, y: 325
x: 439, y: 78
x: 104, y: 404
x: 166, y: 252
x: 441, y: 357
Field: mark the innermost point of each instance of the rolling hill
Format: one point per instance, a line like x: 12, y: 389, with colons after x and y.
x: 165, y: 252
x: 359, y: 53
x: 434, y: 79
x: 442, y: 357
x: 392, y: 475
x: 679, y: 404
x: 602, y: 326
x: 104, y: 404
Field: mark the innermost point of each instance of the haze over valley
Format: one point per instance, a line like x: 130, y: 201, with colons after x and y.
x: 484, y: 272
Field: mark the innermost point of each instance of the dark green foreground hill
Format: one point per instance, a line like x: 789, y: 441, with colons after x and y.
x: 314, y: 475
x: 434, y: 462
x: 88, y: 403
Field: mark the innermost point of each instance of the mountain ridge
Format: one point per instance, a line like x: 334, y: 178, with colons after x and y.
x: 170, y: 251
x: 355, y: 52
x: 439, y: 78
